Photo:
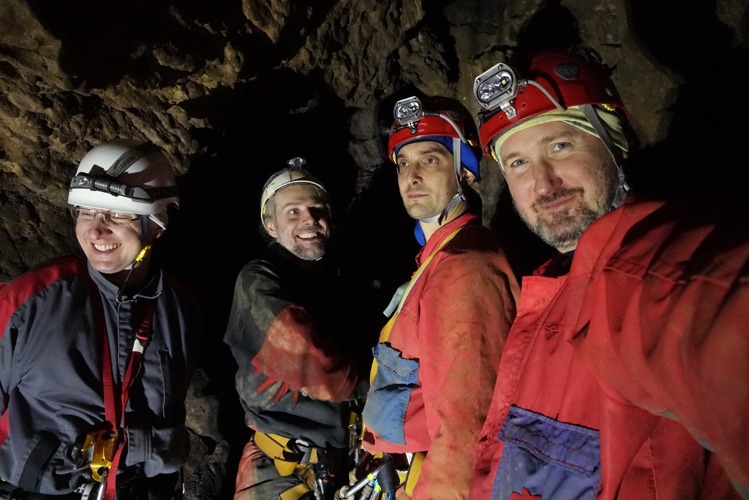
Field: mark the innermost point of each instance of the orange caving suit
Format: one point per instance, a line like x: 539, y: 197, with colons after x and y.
x: 436, y: 371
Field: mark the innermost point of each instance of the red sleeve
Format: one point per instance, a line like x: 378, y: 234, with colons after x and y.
x: 664, y: 318
x: 294, y: 354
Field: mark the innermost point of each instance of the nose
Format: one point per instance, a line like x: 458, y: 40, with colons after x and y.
x: 99, y: 225
x: 413, y: 174
x: 545, y: 177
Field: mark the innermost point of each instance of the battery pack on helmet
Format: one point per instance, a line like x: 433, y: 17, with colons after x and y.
x: 496, y: 87
x: 407, y: 112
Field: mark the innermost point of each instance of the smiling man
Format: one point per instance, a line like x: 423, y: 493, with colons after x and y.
x: 436, y: 360
x: 624, y: 374
x: 287, y: 331
x: 96, y: 354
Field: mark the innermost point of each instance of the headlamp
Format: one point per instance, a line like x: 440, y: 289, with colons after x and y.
x: 109, y: 185
x: 496, y: 86
x: 408, y: 111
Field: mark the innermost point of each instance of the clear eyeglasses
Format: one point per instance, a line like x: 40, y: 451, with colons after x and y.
x: 89, y: 214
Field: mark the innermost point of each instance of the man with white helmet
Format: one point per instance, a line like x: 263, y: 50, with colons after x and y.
x: 297, y: 366
x: 96, y: 354
x: 436, y: 359
x: 624, y: 374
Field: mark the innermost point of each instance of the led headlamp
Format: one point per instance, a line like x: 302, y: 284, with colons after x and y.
x: 407, y: 112
x: 496, y: 87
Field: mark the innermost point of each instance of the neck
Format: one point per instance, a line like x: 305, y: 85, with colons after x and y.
x: 429, y: 228
x: 131, y: 279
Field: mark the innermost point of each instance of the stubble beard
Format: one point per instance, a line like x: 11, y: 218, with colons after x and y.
x: 563, y: 230
x: 310, y: 252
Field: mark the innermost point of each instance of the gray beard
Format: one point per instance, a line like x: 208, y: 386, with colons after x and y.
x: 566, y: 229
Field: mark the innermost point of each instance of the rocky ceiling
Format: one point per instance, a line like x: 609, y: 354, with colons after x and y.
x: 231, y: 89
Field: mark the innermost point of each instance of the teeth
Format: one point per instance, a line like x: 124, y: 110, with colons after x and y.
x: 307, y: 236
x: 105, y: 248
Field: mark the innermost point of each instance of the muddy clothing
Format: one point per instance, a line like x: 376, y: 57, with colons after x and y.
x: 287, y: 332
x: 436, y: 371
x: 51, y: 378
x: 618, y: 372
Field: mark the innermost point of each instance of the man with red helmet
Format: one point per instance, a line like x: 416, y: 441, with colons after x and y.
x: 624, y: 374
x: 436, y: 360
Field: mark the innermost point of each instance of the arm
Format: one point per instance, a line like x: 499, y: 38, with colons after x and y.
x: 664, y: 319
x: 466, y: 310
x: 272, y: 336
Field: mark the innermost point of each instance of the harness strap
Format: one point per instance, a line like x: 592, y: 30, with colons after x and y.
x: 115, y: 415
x: 285, y: 458
x: 37, y: 461
x: 414, y: 471
x: 385, y: 333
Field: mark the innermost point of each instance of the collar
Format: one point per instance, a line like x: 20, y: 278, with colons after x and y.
x: 150, y: 290
x: 443, y: 232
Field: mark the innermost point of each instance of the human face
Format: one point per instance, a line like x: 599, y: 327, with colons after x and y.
x: 300, y: 221
x: 110, y: 247
x: 426, y: 178
x: 561, y: 180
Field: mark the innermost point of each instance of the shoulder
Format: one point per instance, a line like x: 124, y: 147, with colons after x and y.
x: 45, y: 274
x: 38, y: 279
x: 473, y: 242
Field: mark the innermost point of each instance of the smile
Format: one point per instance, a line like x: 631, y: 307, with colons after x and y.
x: 106, y: 248
x: 313, y: 235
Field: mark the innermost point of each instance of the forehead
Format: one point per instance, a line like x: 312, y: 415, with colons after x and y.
x: 541, y: 134
x: 421, y: 148
x: 298, y: 194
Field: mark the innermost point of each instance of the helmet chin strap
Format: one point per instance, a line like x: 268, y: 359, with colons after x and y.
x: 459, y: 196
x: 622, y: 188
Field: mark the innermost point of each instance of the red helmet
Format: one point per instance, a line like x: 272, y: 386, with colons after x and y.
x: 441, y: 120
x: 557, y: 79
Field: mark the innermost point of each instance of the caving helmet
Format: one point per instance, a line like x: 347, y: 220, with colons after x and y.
x: 571, y: 85
x: 295, y: 173
x: 441, y: 120
x: 125, y: 175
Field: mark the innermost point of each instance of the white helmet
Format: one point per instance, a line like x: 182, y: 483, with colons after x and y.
x: 294, y: 174
x: 128, y: 176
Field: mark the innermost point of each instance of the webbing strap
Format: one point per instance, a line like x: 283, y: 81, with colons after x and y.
x: 116, y: 416
x: 385, y: 333
x: 284, y: 457
x: 37, y: 460
x: 414, y: 471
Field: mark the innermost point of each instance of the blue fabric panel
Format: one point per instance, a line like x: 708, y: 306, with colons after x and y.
x: 547, y: 458
x: 389, y: 393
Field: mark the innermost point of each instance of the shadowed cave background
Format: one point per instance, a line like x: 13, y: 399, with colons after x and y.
x: 232, y: 89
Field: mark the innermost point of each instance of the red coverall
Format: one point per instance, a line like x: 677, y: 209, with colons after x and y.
x: 627, y: 377
x: 436, y: 373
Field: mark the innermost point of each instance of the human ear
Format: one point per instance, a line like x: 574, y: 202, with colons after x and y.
x: 270, y: 226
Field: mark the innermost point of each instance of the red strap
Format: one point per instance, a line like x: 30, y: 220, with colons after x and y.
x: 116, y: 416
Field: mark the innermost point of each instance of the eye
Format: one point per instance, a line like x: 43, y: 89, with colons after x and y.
x: 401, y: 165
x: 561, y: 146
x: 122, y: 218
x: 516, y: 165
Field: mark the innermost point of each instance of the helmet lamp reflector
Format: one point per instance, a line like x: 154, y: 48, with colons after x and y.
x: 408, y: 111
x: 496, y: 87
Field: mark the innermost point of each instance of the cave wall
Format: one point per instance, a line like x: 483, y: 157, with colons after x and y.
x: 231, y: 89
